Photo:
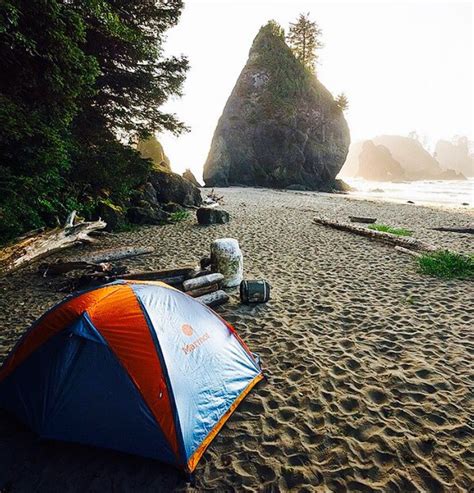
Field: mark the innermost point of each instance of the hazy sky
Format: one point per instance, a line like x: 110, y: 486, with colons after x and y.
x: 404, y: 66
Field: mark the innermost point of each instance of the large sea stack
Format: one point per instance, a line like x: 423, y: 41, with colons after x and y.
x: 280, y: 126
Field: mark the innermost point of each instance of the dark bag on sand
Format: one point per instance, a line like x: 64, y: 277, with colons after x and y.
x: 254, y: 291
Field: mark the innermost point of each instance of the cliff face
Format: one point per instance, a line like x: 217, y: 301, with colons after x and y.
x: 280, y: 126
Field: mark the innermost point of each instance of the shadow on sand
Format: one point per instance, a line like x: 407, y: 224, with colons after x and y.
x: 28, y: 463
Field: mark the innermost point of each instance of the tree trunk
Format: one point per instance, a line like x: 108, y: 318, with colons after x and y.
x: 33, y: 248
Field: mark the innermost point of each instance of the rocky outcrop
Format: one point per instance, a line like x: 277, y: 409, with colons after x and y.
x: 171, y: 187
x: 147, y: 214
x: 188, y: 175
x: 351, y: 165
x: 415, y: 161
x: 280, y: 127
x: 377, y: 163
x: 152, y: 149
x: 212, y: 215
x: 455, y: 156
x: 164, y: 193
x: 450, y: 174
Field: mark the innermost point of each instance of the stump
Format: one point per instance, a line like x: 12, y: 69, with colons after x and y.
x: 227, y: 259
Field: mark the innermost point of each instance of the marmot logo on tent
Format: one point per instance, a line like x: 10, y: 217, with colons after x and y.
x: 189, y: 348
x: 187, y: 330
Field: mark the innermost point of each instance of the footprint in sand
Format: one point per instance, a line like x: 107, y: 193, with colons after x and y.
x: 376, y: 395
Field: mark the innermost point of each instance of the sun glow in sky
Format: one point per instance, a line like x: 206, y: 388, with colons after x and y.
x: 403, y: 66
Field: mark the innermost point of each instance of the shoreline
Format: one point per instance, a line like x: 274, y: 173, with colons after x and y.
x: 421, y: 192
x: 469, y: 209
x: 369, y: 362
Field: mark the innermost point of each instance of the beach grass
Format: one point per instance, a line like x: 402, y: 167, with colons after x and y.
x: 447, y: 265
x: 388, y: 229
x: 179, y: 216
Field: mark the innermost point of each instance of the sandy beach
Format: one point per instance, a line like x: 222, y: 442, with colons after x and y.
x: 369, y: 363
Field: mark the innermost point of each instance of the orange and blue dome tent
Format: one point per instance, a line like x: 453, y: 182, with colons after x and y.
x: 133, y: 366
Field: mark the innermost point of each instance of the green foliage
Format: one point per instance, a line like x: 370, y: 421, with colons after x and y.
x: 79, y: 81
x: 103, y: 167
x: 135, y: 80
x: 179, y: 216
x: 289, y: 81
x: 44, y: 73
x: 304, y: 38
x: 287, y: 77
x: 447, y: 265
x: 388, y: 229
x: 342, y: 102
x: 125, y: 226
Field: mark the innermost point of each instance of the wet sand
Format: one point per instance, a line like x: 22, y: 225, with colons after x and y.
x: 370, y: 363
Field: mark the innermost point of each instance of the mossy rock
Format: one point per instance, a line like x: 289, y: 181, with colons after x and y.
x: 280, y: 125
x: 171, y: 187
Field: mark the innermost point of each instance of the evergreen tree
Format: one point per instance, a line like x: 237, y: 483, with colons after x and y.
x: 44, y: 75
x: 81, y: 79
x: 304, y: 38
x: 135, y: 80
x: 342, y: 102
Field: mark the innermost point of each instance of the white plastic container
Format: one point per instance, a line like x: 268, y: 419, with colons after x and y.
x: 227, y: 259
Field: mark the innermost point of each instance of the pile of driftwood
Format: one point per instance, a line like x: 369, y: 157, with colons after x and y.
x: 105, y: 265
x: 213, y: 199
x: 196, y: 281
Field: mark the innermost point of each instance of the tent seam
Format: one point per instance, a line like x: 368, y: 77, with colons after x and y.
x: 164, y: 369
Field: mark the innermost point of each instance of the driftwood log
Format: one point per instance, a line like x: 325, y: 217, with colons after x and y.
x: 360, y: 219
x: 204, y: 290
x: 98, y: 262
x: 214, y: 299
x: 157, y: 275
x: 409, y: 252
x: 169, y: 276
x: 388, y: 238
x: 199, y: 282
x: 36, y: 247
x: 58, y: 268
x: 113, y: 254
x: 469, y: 231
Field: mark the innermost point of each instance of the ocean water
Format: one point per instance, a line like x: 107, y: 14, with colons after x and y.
x: 446, y: 193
